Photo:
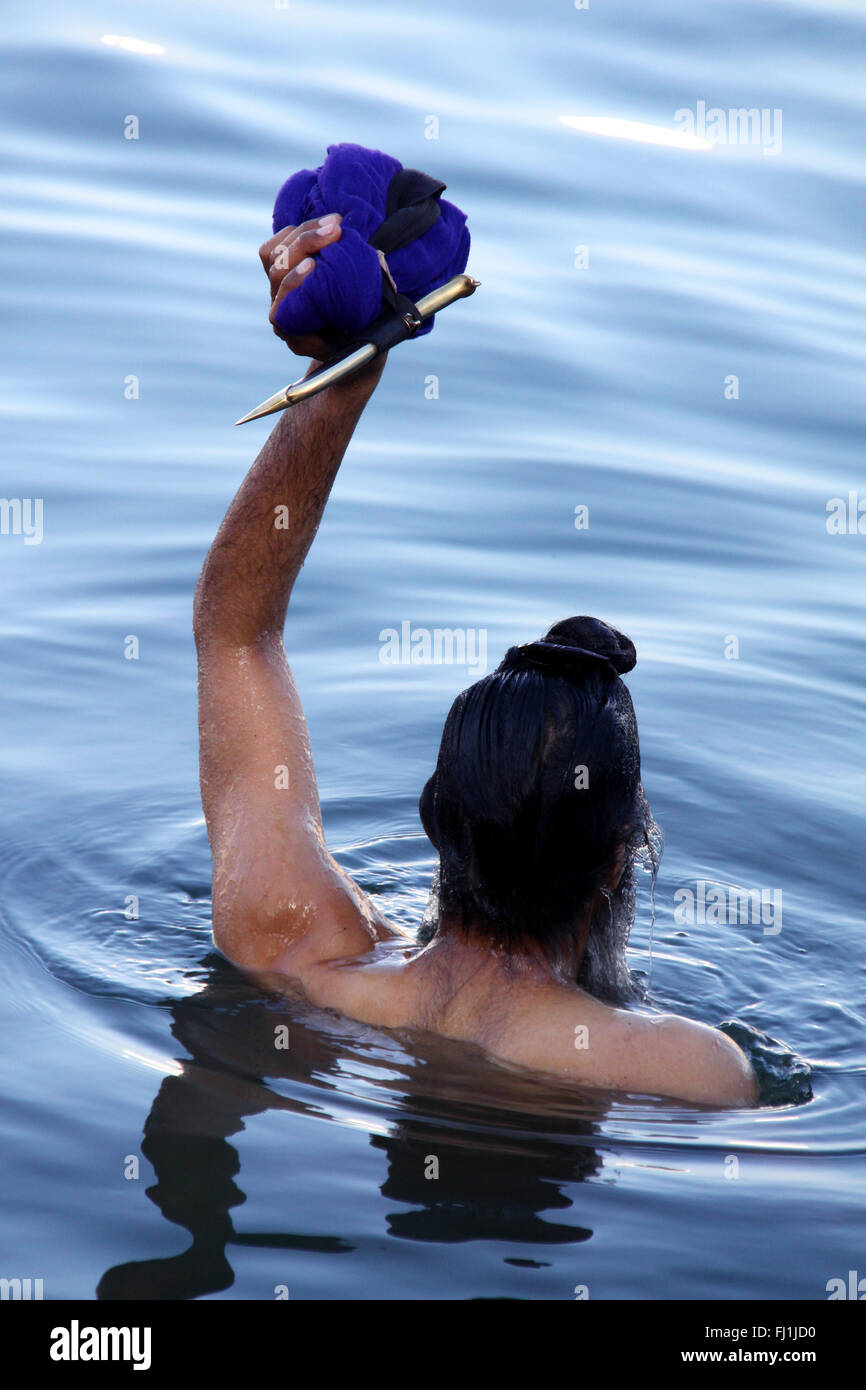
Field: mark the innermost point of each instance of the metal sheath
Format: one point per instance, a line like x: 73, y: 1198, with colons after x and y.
x: 457, y: 288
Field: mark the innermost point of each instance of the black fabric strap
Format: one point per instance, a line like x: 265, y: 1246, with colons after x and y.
x: 411, y: 209
x: 398, y: 320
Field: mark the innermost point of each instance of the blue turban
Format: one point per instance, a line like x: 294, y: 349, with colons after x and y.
x: 384, y: 207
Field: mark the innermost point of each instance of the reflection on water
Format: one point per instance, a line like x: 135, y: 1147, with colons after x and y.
x: 457, y: 1179
x: 264, y: 1106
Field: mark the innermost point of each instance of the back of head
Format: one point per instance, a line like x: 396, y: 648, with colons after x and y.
x: 536, y: 793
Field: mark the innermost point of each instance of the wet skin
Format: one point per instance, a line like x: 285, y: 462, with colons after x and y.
x: 281, y: 903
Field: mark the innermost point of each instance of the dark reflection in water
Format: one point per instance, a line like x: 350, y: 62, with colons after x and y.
x: 495, y: 1180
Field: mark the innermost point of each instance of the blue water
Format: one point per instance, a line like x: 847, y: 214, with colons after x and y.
x: 602, y: 386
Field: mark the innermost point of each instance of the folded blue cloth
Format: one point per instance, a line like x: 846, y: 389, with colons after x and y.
x: 375, y: 196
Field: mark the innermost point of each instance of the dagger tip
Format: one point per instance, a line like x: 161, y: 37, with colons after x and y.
x: 268, y: 407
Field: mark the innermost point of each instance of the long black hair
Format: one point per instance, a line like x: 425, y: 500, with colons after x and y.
x: 536, y: 789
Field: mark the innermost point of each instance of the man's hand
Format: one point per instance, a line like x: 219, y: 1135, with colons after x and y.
x: 288, y: 258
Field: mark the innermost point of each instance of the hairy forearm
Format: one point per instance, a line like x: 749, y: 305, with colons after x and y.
x: 247, y: 578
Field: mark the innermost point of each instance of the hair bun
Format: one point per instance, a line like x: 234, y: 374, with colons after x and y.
x: 591, y: 634
x: 573, y: 646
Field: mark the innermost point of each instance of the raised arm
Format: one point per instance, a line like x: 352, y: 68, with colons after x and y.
x: 277, y: 892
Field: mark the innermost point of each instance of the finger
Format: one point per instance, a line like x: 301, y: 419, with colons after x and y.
x: 318, y: 230
x: 289, y: 253
x: 284, y: 235
x: 267, y: 246
x: 290, y: 281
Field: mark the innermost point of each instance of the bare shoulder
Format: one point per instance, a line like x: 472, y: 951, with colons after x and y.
x: 626, y: 1050
x: 691, y: 1061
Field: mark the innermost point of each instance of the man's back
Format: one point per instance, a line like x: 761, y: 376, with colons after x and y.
x: 548, y: 1026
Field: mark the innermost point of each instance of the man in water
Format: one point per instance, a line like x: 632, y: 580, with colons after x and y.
x: 535, y: 807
